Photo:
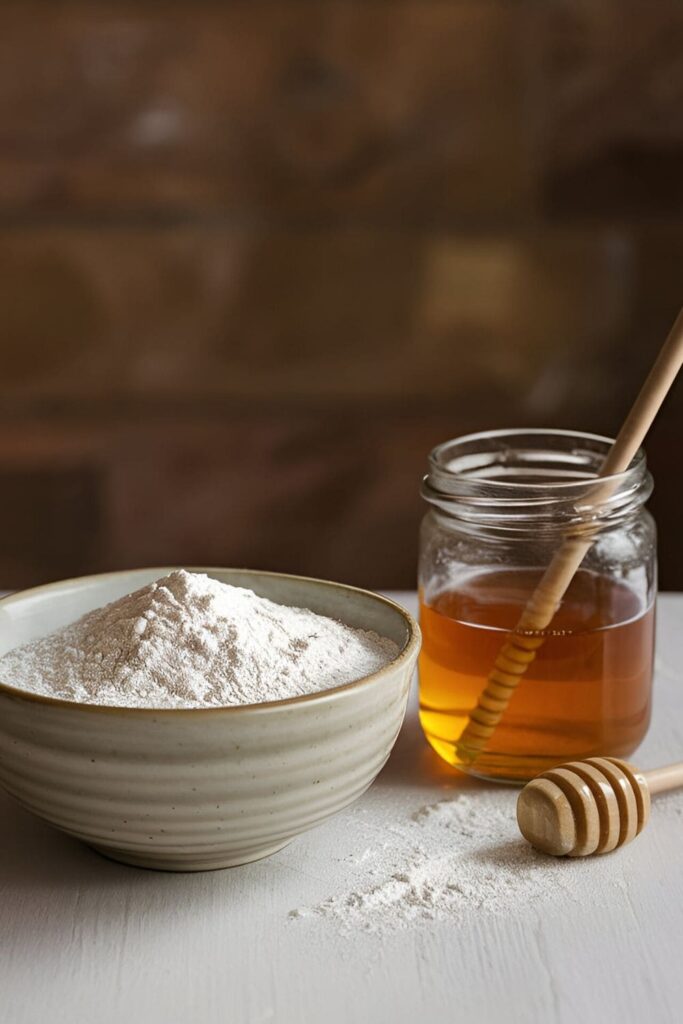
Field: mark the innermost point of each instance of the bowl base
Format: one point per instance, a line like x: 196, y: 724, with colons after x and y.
x: 169, y: 862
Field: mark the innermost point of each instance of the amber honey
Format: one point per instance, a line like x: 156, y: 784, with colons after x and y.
x: 587, y: 692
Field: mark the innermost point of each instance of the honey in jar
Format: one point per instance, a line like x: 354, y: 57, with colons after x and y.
x: 501, y: 504
x: 587, y: 690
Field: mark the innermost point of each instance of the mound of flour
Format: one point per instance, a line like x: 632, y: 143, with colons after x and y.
x: 188, y: 641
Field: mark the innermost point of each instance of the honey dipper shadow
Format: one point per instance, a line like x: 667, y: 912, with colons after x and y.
x: 510, y: 854
x: 514, y: 855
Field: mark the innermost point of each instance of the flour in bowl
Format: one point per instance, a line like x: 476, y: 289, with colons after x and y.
x: 188, y: 641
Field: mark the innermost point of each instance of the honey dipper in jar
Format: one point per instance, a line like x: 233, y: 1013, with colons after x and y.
x: 537, y: 587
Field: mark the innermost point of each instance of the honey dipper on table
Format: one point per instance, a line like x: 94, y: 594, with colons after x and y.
x: 590, y: 806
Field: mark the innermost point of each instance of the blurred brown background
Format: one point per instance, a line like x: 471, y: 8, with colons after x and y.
x: 256, y: 258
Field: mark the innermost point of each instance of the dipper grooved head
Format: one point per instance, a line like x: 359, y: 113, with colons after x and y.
x: 584, y: 807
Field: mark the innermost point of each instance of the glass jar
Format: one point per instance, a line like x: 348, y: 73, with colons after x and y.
x: 502, y: 503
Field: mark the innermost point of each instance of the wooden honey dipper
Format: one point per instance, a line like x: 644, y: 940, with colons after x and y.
x: 520, y: 647
x: 590, y: 806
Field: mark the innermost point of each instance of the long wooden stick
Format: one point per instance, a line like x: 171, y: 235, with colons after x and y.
x: 520, y: 647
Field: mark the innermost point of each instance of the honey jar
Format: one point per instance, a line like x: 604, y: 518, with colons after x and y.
x: 501, y: 503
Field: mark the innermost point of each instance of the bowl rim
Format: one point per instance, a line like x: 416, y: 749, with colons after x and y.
x: 410, y: 649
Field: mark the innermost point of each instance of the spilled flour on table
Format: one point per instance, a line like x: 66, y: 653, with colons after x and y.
x: 448, y: 859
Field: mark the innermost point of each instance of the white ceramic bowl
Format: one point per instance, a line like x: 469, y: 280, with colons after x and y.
x: 191, y: 790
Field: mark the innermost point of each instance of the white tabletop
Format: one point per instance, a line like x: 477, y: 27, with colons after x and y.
x: 86, y: 940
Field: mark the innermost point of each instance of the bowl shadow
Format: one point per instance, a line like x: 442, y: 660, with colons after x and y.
x: 54, y: 887
x: 414, y: 764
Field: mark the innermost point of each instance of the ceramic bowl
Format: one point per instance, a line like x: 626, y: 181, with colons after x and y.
x: 192, y: 790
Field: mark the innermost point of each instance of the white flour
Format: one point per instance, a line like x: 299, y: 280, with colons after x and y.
x: 449, y: 860
x: 188, y: 641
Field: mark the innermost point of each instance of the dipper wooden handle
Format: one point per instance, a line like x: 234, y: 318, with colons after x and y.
x: 590, y: 806
x: 519, y: 649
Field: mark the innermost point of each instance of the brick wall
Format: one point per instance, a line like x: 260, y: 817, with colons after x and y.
x: 257, y: 258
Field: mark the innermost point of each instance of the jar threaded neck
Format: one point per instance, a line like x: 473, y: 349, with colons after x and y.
x: 533, y: 480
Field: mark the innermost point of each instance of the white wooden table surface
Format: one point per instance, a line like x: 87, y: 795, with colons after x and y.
x: 86, y: 940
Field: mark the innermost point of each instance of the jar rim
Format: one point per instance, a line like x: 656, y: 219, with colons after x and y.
x: 533, y: 475
x: 437, y: 463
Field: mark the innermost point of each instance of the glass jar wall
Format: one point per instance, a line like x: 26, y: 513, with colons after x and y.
x: 501, y: 505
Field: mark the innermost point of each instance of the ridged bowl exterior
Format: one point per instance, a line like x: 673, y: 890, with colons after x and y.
x: 199, y: 789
